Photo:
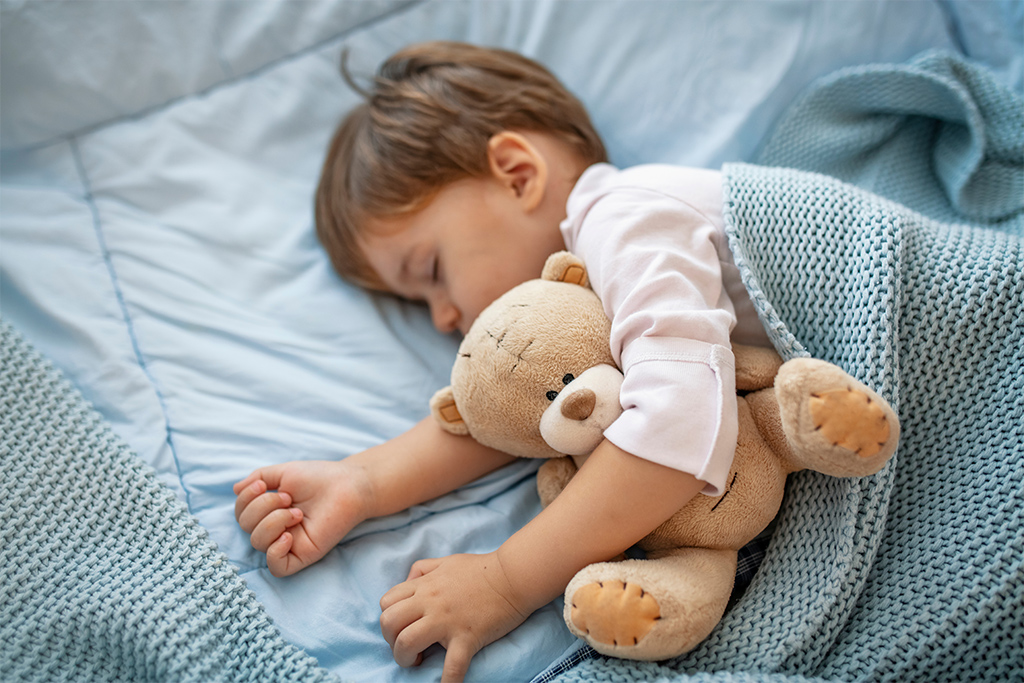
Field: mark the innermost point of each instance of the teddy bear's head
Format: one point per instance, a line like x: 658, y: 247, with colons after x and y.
x: 534, y: 376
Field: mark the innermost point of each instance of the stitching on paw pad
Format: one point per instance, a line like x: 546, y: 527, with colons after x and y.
x: 614, y: 612
x: 850, y: 419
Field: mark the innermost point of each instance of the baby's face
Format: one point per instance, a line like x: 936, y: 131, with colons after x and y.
x: 468, y: 246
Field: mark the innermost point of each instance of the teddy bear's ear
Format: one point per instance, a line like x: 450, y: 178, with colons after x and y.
x: 444, y: 410
x: 565, y: 267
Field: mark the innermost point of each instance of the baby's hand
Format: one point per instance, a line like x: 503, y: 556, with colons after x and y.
x: 298, y: 511
x: 462, y: 602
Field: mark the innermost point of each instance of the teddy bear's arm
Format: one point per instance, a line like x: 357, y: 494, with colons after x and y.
x: 552, y: 477
x: 756, y: 367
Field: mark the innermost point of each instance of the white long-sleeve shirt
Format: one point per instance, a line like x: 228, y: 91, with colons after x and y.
x: 652, y: 239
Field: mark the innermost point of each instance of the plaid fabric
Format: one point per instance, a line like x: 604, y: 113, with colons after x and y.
x: 747, y: 563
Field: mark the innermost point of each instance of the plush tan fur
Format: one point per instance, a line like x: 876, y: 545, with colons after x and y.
x: 803, y: 414
x: 520, y: 348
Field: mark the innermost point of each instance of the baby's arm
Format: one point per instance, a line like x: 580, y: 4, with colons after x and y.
x: 297, y: 511
x: 465, y: 602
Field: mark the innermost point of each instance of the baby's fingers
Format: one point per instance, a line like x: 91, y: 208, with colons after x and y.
x: 456, y: 661
x: 411, y: 642
x: 422, y: 567
x: 398, y: 593
x: 258, y: 506
x: 396, y: 619
x: 277, y: 553
x: 280, y: 561
x: 247, y: 493
x: 270, y: 528
x: 239, y: 486
x: 270, y: 476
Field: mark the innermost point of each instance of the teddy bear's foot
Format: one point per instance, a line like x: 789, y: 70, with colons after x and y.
x: 833, y: 423
x: 650, y: 609
x: 614, y: 612
x: 851, y: 419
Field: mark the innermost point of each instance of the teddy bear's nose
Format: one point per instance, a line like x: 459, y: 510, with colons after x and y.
x: 579, y: 405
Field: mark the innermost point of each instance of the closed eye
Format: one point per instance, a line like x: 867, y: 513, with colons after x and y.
x: 435, y: 269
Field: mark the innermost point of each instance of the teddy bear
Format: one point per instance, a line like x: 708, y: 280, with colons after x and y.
x: 535, y: 377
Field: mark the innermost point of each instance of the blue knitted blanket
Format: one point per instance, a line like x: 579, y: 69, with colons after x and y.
x: 899, y: 258
x: 104, y: 575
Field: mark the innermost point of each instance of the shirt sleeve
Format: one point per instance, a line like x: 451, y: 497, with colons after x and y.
x: 653, y: 260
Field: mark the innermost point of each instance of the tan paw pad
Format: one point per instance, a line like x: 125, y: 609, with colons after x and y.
x: 850, y: 419
x: 614, y: 613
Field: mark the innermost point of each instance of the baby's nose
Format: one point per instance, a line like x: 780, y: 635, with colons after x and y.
x: 579, y: 405
x: 446, y: 318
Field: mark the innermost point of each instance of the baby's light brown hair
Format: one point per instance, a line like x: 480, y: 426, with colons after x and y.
x: 425, y: 123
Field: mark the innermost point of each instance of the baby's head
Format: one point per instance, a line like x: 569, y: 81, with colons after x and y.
x: 444, y: 127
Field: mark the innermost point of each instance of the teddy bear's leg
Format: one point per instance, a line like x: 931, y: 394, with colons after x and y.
x: 552, y: 477
x: 831, y: 422
x: 651, y: 609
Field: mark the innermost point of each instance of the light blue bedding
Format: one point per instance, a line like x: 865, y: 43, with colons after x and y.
x: 156, y: 241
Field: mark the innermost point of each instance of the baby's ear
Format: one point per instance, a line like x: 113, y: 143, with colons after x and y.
x: 563, y: 266
x: 444, y: 410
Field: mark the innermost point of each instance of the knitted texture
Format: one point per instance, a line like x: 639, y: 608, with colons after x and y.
x: 916, y: 573
x: 939, y: 135
x: 104, y: 575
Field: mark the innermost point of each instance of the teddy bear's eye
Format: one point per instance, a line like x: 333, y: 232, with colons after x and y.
x: 552, y: 395
x: 568, y: 378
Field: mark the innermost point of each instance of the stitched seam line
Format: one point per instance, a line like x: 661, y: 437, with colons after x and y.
x: 129, y: 325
